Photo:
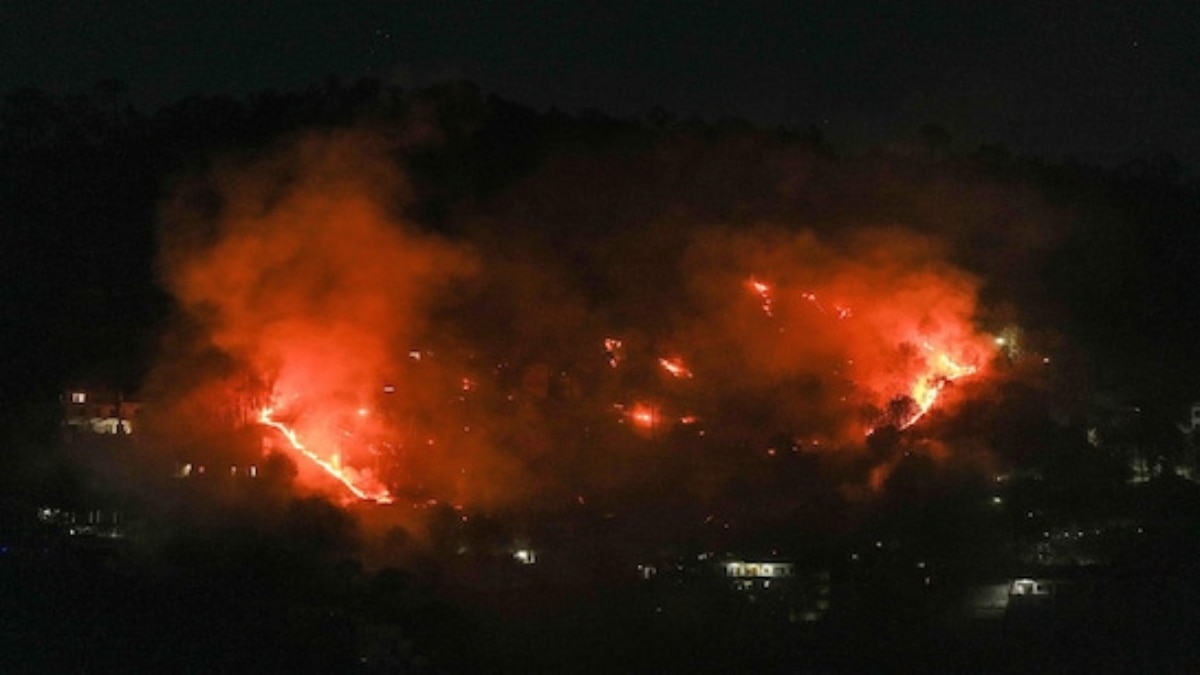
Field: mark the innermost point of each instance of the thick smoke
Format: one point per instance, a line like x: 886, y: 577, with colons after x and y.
x: 604, y: 324
x: 307, y: 275
x: 300, y: 276
x: 837, y: 332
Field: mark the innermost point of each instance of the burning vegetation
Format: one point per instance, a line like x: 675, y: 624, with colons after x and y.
x: 667, y: 351
x: 410, y: 366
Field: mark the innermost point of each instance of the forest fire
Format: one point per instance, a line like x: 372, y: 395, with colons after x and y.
x: 363, y: 490
x: 308, y: 281
x: 910, y: 333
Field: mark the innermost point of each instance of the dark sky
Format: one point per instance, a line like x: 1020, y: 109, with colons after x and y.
x: 1101, y: 81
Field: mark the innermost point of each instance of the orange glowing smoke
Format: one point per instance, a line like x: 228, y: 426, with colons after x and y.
x: 305, y: 279
x: 868, y: 328
x: 362, y: 488
x: 934, y: 368
x: 297, y: 272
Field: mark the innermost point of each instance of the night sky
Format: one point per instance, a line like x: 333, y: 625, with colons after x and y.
x: 1099, y: 81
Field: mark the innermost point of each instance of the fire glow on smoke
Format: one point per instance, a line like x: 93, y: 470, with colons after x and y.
x: 929, y: 370
x: 307, y: 281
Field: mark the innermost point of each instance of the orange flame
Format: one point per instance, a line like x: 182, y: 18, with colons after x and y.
x: 941, y: 370
x: 377, y: 494
x: 644, y: 416
x: 675, y: 367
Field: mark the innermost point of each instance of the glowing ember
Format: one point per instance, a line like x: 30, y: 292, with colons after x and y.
x: 812, y: 297
x: 376, y: 494
x: 614, y: 351
x: 644, y: 416
x: 675, y: 367
x: 840, y: 311
x: 764, y: 295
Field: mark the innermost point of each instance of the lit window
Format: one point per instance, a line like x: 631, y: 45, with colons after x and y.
x: 78, y: 397
x: 1023, y: 587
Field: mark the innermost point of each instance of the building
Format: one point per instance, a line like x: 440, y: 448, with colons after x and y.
x: 96, y: 412
x: 1193, y: 422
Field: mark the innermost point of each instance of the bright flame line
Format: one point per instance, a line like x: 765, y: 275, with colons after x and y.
x: 381, y: 497
x: 926, y: 392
